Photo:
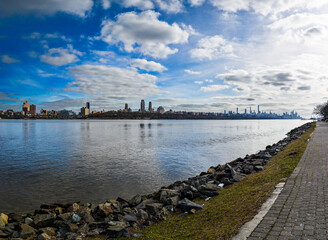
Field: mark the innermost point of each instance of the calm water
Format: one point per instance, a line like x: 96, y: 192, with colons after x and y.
x: 67, y: 161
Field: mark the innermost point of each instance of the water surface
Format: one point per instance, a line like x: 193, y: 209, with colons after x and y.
x: 90, y: 160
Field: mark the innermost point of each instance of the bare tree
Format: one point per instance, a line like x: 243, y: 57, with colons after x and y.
x: 322, y: 109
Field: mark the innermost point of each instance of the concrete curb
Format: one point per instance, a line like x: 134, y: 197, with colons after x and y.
x: 246, y: 230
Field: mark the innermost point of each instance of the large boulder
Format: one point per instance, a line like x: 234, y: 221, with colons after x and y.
x: 3, y: 220
x: 27, y: 231
x: 44, y: 220
x: 186, y: 205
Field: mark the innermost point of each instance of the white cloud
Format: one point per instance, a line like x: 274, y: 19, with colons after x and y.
x: 104, y: 53
x: 268, y: 7
x: 7, y: 59
x: 198, y: 82
x: 214, y: 88
x: 149, y: 66
x: 211, y: 48
x: 196, y: 3
x: 192, y: 72
x: 209, y: 80
x: 170, y: 6
x: 106, y: 82
x: 144, y: 33
x: 48, y: 7
x: 106, y: 3
x: 60, y: 56
x: 140, y: 4
x: 231, y: 5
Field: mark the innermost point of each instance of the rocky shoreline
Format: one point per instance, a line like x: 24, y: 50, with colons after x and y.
x: 122, y: 217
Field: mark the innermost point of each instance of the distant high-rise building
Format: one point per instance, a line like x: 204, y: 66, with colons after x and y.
x: 245, y: 111
x: 88, y: 105
x: 33, y: 109
x: 126, y: 107
x: 142, y: 105
x: 237, y: 110
x: 26, y: 107
x: 258, y: 109
x: 150, y: 108
x: 85, y: 111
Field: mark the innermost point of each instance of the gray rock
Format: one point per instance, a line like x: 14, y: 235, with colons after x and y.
x: 238, y: 177
x: 28, y: 221
x: 143, y: 215
x: 154, y: 208
x: 49, y: 231
x: 44, y: 236
x: 187, y: 205
x: 27, y: 231
x: 44, y: 220
x: 135, y: 200
x: 66, y: 216
x: 259, y: 168
x: 130, y: 217
x: 167, y: 193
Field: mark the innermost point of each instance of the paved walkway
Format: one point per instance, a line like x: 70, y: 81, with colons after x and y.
x: 301, y: 210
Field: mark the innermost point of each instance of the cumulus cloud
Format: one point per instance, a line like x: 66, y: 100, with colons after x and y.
x: 214, y: 88
x: 140, y: 4
x: 196, y: 3
x: 7, y: 59
x: 61, y: 56
x: 211, y: 48
x: 192, y: 72
x: 107, y: 83
x: 198, y: 82
x: 143, y: 32
x: 49, y: 7
x: 268, y: 7
x: 170, y: 6
x: 149, y: 66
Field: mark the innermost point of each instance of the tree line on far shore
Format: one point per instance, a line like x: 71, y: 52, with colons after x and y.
x: 322, y: 110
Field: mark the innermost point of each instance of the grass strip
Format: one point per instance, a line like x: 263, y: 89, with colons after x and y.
x: 236, y: 204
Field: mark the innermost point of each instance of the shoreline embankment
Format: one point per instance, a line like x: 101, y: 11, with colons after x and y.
x: 120, y: 217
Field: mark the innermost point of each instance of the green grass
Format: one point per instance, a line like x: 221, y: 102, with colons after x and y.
x: 236, y: 204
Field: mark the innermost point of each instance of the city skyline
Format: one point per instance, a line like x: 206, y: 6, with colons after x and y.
x: 192, y: 55
x: 30, y: 110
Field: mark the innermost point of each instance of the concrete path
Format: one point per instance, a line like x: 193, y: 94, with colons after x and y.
x: 301, y: 209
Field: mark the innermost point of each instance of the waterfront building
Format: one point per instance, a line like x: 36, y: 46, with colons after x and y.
x: 43, y: 112
x: 160, y: 109
x: 142, y: 105
x: 33, y: 109
x: 88, y: 105
x: 26, y: 107
x: 85, y: 111
x: 126, y: 108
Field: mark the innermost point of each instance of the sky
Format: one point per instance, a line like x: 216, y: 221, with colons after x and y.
x: 189, y: 55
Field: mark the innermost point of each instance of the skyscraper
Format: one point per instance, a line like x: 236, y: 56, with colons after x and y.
x: 26, y: 107
x: 88, y: 105
x: 258, y: 109
x: 142, y: 105
x: 126, y: 107
x: 150, y: 108
x: 33, y: 109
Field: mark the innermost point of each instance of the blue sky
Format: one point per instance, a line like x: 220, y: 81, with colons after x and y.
x: 197, y: 55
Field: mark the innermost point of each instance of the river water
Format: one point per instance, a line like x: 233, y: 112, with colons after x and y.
x: 89, y: 160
